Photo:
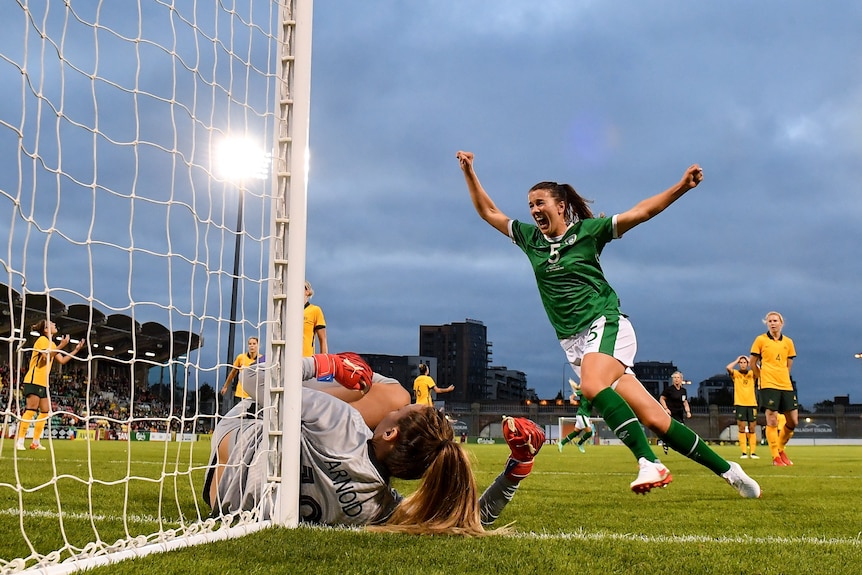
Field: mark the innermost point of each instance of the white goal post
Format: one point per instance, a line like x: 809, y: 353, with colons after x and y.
x: 153, y: 175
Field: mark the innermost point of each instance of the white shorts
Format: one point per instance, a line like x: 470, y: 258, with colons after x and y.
x: 614, y: 337
x: 583, y: 422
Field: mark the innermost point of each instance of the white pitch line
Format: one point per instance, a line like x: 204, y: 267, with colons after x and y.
x: 14, y: 512
x: 582, y: 535
x: 785, y: 475
x: 734, y: 540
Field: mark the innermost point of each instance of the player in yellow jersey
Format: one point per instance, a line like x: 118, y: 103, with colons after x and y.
x: 772, y: 355
x: 745, y: 404
x: 37, y: 402
x: 246, y: 359
x: 423, y: 385
x: 313, y: 326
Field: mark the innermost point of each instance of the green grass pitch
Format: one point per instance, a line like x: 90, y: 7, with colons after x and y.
x: 574, y: 514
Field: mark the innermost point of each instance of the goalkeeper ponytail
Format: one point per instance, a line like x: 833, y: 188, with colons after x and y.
x: 447, y: 500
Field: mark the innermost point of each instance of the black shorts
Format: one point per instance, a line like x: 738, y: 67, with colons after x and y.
x: 33, y: 389
x: 746, y: 413
x: 778, y: 400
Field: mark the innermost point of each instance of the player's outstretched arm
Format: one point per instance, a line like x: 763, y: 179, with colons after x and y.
x: 483, y: 203
x: 347, y: 368
x: 653, y: 206
x: 384, y: 395
x: 524, y: 439
x: 64, y: 357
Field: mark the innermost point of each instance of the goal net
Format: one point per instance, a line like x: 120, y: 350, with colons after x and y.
x: 152, y: 192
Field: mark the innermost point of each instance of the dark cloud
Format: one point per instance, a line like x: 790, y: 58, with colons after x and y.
x: 617, y: 100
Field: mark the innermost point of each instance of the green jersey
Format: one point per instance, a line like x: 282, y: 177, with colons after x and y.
x: 570, y: 279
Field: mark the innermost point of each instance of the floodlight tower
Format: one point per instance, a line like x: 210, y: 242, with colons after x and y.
x: 238, y: 160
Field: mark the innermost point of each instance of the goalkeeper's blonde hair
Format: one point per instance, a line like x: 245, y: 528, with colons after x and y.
x: 447, y: 500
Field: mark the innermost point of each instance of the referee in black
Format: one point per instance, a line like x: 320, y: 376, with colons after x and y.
x: 674, y: 400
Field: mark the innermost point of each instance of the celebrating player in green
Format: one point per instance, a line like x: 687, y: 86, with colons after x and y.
x: 563, y: 247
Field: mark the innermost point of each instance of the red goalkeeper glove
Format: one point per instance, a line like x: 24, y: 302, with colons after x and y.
x: 524, y: 439
x: 346, y: 368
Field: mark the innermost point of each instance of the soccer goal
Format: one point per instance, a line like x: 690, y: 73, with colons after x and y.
x: 153, y: 168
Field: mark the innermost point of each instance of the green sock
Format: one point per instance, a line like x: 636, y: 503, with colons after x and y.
x: 623, y: 422
x: 682, y: 439
x: 569, y: 437
x: 585, y: 437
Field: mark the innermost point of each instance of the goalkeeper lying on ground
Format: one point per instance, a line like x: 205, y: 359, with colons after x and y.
x: 348, y: 452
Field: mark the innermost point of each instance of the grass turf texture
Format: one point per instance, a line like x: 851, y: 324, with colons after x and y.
x: 575, y: 513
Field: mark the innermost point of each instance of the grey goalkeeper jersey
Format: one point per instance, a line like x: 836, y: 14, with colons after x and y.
x: 340, y: 484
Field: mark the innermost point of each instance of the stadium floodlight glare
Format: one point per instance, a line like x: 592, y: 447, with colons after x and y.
x: 858, y: 356
x: 240, y: 158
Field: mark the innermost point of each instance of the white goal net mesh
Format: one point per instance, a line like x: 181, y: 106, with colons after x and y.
x: 145, y: 158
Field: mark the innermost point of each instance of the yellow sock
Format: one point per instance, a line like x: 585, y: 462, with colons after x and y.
x: 40, y: 426
x: 26, y: 418
x: 783, y: 437
x: 752, y: 442
x: 772, y: 440
x: 743, y: 442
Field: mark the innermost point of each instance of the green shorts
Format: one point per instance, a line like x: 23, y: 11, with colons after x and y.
x: 778, y: 400
x: 746, y: 413
x: 33, y: 389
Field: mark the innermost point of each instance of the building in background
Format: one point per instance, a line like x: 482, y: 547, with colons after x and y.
x: 463, y: 355
x: 506, y: 384
x: 717, y: 390
x: 654, y: 375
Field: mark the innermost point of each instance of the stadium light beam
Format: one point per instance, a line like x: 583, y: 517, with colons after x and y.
x: 238, y: 160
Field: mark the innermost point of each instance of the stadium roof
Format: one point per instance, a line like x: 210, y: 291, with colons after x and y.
x: 115, y: 336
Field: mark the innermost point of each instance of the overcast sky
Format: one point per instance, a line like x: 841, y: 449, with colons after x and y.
x: 618, y: 99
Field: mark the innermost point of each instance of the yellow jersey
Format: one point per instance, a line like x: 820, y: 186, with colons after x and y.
x: 241, y: 361
x: 774, y: 354
x: 40, y: 362
x: 313, y: 320
x: 743, y: 388
x: 422, y: 387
